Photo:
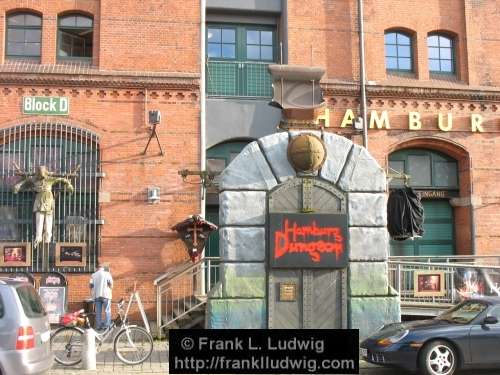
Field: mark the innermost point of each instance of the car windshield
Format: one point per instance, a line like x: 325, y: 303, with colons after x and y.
x: 464, y: 313
x: 30, y: 300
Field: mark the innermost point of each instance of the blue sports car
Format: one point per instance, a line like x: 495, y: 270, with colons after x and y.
x: 466, y: 336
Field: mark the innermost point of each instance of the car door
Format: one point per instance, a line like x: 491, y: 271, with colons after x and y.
x: 485, y: 340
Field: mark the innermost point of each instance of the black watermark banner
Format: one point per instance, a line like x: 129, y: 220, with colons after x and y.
x: 253, y: 351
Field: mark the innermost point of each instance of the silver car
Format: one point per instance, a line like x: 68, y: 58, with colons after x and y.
x: 24, y: 330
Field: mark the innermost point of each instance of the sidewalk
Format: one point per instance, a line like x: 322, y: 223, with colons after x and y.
x: 108, y: 364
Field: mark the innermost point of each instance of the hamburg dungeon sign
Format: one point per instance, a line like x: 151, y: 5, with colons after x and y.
x: 308, y: 240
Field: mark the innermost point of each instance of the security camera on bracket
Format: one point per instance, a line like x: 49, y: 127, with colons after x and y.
x: 358, y: 124
x: 154, y: 121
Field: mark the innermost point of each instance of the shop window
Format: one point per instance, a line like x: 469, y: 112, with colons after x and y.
x: 24, y: 35
x: 441, y: 54
x: 398, y: 52
x: 75, y: 37
x: 237, y: 60
x: 75, y: 218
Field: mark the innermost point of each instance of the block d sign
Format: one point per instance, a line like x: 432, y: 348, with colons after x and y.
x: 308, y: 240
x: 45, y: 105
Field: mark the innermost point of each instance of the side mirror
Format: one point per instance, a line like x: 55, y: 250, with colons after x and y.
x: 490, y: 320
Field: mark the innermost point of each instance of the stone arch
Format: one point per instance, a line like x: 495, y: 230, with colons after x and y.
x: 240, y: 301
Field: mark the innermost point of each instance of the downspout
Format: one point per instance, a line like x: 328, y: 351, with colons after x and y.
x: 362, y: 73
x: 203, y: 124
x: 472, y: 211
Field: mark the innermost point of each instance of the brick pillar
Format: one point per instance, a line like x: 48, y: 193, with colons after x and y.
x: 421, y: 56
x: 49, y: 39
x: 3, y: 25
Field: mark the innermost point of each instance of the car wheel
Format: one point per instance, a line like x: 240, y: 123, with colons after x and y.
x: 438, y: 358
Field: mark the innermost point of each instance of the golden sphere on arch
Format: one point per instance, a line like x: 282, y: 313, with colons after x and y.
x: 306, y: 153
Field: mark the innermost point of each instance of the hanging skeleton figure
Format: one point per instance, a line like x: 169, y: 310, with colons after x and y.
x: 41, y: 183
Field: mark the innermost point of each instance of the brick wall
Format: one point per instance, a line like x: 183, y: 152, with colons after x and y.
x: 325, y: 33
x: 153, y: 35
x: 156, y: 46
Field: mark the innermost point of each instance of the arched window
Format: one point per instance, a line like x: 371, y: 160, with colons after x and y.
x: 24, y: 35
x: 75, y: 37
x: 441, y: 54
x: 398, y: 51
x: 434, y: 176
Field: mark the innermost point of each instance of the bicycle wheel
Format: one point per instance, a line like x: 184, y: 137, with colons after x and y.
x: 67, y: 345
x: 133, y: 345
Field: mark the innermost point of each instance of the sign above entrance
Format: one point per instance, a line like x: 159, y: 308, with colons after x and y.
x: 308, y: 240
x: 46, y: 105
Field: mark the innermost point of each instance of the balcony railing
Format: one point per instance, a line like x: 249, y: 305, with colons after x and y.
x: 238, y: 79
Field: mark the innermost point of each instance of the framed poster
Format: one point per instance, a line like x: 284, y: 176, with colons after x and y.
x: 71, y: 254
x: 15, y: 254
x: 429, y: 284
x: 54, y: 301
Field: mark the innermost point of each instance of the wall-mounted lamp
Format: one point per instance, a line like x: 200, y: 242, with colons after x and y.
x: 153, y: 194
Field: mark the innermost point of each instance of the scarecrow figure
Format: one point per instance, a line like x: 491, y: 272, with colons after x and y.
x: 41, y: 183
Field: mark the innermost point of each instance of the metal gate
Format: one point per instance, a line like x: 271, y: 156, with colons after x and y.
x: 61, y: 148
x: 307, y: 298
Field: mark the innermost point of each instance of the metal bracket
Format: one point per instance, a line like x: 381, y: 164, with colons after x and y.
x: 307, y: 195
x: 153, y: 134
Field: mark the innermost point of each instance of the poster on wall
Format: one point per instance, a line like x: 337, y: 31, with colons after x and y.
x: 71, y: 254
x: 54, y: 300
x: 429, y: 284
x: 476, y: 282
x: 15, y: 254
x: 52, y: 292
x: 308, y: 240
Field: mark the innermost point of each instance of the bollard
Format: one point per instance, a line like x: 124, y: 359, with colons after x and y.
x: 89, y: 352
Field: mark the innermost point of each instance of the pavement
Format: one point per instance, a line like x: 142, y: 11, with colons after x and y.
x: 108, y: 364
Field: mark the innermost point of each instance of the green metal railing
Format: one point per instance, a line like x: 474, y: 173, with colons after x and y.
x: 238, y: 78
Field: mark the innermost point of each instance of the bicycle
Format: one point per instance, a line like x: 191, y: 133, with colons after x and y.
x: 67, y: 341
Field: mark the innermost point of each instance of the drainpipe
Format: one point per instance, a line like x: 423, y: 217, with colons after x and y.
x: 203, y: 124
x: 362, y: 73
x: 472, y: 212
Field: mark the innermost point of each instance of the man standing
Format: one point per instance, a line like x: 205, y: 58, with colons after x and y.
x: 101, y: 284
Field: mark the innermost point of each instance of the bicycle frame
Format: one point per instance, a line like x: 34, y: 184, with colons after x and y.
x: 121, y: 318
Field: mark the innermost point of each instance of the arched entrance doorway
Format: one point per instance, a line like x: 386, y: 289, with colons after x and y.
x: 218, y: 158
x: 435, y: 177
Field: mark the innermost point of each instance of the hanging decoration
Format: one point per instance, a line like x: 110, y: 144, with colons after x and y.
x: 194, y: 231
x: 405, y: 214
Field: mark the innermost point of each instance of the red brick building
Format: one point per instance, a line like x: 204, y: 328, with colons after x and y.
x: 113, y: 62
x: 432, y: 91
x: 432, y: 100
